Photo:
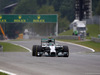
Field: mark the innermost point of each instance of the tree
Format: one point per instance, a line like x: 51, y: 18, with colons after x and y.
x: 63, y: 24
x: 41, y: 2
x: 95, y: 6
x: 26, y: 7
x: 45, y: 9
x: 67, y: 9
x: 98, y: 9
x: 57, y: 4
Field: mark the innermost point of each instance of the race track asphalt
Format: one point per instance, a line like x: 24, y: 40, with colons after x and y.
x: 81, y: 61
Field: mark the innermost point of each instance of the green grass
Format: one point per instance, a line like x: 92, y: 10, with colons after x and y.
x: 93, y: 30
x: 91, y: 44
x: 8, y: 47
x: 69, y: 32
x: 3, y: 73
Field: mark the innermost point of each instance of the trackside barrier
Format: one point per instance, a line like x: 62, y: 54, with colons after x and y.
x: 1, y: 48
x: 61, y: 37
x: 69, y: 37
x: 95, y: 39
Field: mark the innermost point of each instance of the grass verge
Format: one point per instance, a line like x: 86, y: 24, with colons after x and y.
x: 8, y: 47
x: 91, y: 44
x: 93, y: 30
x: 3, y: 73
x: 69, y: 32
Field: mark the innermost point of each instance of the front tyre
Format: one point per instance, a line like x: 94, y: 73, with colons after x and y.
x: 37, y: 50
x: 34, y: 50
x: 66, y: 51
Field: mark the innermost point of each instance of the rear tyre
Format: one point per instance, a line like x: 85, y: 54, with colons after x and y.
x: 66, y: 51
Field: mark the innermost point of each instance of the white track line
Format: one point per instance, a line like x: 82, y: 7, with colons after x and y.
x: 9, y: 73
x: 77, y: 45
x: 23, y: 47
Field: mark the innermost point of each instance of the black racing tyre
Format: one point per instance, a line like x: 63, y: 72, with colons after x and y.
x: 39, y: 49
x: 66, y: 49
x: 34, y: 50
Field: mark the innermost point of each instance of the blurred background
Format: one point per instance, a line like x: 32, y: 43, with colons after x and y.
x: 64, y: 8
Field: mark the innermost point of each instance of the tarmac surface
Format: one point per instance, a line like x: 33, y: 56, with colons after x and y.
x: 81, y: 61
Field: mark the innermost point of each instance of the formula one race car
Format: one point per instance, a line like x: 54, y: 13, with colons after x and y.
x: 49, y: 48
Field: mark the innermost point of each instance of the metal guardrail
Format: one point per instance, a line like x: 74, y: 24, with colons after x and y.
x: 95, y: 39
x: 69, y: 37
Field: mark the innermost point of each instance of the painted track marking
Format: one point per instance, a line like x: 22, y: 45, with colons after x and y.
x: 23, y: 47
x: 9, y: 73
x: 77, y: 45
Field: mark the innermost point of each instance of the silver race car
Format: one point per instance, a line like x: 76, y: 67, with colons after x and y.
x: 49, y: 48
